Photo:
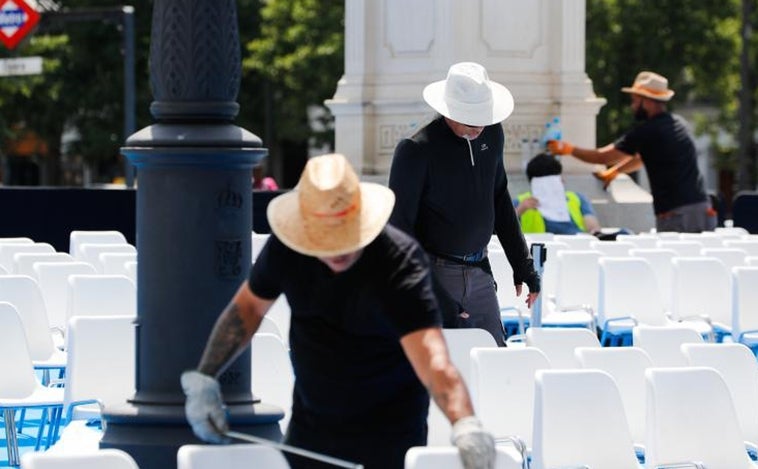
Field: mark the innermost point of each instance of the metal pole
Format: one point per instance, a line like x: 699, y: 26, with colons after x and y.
x: 539, y: 255
x: 127, y: 21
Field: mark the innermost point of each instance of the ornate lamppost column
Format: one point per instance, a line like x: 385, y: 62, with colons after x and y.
x: 194, y: 224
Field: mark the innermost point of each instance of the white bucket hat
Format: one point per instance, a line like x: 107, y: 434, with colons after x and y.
x: 650, y: 85
x: 468, y: 96
x: 330, y: 212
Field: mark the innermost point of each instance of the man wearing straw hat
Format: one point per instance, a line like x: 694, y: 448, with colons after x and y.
x: 365, y: 337
x: 662, y: 142
x: 452, y: 195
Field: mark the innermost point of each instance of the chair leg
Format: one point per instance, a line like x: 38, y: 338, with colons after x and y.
x: 21, y: 417
x: 41, y: 429
x: 11, y: 441
x: 55, y: 420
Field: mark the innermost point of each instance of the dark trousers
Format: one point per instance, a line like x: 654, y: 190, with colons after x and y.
x: 474, y: 290
x: 375, y: 450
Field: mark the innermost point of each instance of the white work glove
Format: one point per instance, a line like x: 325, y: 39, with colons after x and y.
x: 204, y: 407
x: 475, y: 445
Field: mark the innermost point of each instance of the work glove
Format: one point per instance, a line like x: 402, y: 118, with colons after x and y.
x: 204, y: 407
x: 475, y: 445
x: 559, y: 147
x: 606, y: 176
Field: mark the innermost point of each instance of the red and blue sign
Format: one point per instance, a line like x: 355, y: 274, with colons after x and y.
x: 17, y: 18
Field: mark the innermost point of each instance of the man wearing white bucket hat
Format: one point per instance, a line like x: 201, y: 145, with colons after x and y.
x: 662, y: 141
x: 365, y: 337
x: 452, y: 195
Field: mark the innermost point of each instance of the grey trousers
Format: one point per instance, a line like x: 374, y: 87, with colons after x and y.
x: 474, y: 290
x: 691, y: 218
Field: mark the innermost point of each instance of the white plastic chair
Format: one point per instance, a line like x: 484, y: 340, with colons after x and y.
x: 24, y: 294
x: 576, y: 290
x: 502, y: 391
x: 744, y: 301
x: 242, y: 456
x: 101, y: 295
x: 100, y: 372
x: 460, y: 342
x: 731, y: 257
x: 280, y: 314
x: 424, y: 457
x: 272, y: 378
x: 17, y: 240
x: 110, y: 458
x: 7, y: 251
x: 751, y: 261
x: 513, y: 311
x: 90, y: 252
x: 737, y: 365
x: 19, y: 387
x: 23, y: 262
x: 78, y: 237
x: 558, y: 344
x: 114, y: 263
x: 579, y: 421
x: 702, y: 293
x: 749, y: 245
x: 576, y: 242
x: 691, y: 417
x: 131, y: 270
x: 627, y: 366
x: 682, y: 248
x: 639, y: 240
x: 662, y: 343
x: 613, y: 248
x: 708, y: 239
x: 52, y: 278
x: 660, y: 260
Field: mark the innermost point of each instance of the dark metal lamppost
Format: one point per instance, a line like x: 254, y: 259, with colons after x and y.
x: 194, y: 224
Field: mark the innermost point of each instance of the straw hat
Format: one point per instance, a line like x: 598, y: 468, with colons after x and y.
x: 468, y: 96
x: 650, y: 85
x: 330, y: 212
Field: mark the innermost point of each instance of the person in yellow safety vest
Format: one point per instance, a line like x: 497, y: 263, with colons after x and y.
x: 580, y: 218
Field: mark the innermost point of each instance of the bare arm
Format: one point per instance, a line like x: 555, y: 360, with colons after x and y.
x: 606, y: 155
x: 233, y: 330
x: 427, y: 351
x: 591, y: 223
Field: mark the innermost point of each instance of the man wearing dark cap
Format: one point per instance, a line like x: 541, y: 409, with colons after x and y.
x: 576, y: 217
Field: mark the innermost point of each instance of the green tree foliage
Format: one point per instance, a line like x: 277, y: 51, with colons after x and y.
x: 695, y: 43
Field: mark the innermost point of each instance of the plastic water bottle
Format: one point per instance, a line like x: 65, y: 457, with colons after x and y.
x: 552, y: 132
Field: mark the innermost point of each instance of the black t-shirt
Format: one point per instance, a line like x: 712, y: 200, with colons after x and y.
x: 350, y: 369
x: 668, y: 151
x: 451, y: 205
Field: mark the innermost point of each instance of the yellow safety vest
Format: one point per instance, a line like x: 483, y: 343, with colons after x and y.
x: 532, y: 221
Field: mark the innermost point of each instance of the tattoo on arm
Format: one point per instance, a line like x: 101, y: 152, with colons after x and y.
x: 226, y: 341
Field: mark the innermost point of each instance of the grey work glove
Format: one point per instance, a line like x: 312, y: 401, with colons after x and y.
x: 475, y: 445
x: 204, y: 407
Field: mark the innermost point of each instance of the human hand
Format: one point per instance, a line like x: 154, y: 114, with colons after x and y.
x: 559, y: 147
x: 204, y: 407
x: 606, y: 176
x: 475, y: 445
x: 527, y: 204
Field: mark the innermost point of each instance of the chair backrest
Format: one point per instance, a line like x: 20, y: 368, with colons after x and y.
x: 731, y: 257
x: 550, y: 267
x: 101, y: 362
x: 24, y: 294
x: 577, y: 284
x: 627, y: 366
x: 744, y: 300
x: 7, y: 251
x: 662, y: 343
x: 241, y: 456
x: 78, y: 237
x: 23, y: 262
x: 576, y: 242
x: 613, y: 248
x: 502, y: 389
x: 639, y: 241
x: 558, y: 343
x: 101, y: 295
x: 90, y: 252
x: 738, y: 367
x: 16, y: 368
x: 272, y: 377
x: 424, y: 457
x: 566, y: 398
x: 702, y: 287
x: 280, y: 314
x: 749, y: 245
x: 110, y: 458
x: 114, y: 263
x: 131, y: 270
x: 708, y: 239
x: 682, y: 247
x: 691, y: 417
x: 660, y: 261
x: 17, y: 240
x: 52, y: 278
x: 503, y: 275
x: 628, y: 287
x: 751, y: 260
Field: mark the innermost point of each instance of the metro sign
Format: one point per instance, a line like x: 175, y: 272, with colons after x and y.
x: 16, y: 20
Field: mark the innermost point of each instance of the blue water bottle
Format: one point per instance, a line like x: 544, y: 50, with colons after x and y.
x: 552, y: 132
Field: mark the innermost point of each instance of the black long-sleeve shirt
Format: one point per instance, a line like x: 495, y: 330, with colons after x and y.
x: 452, y: 196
